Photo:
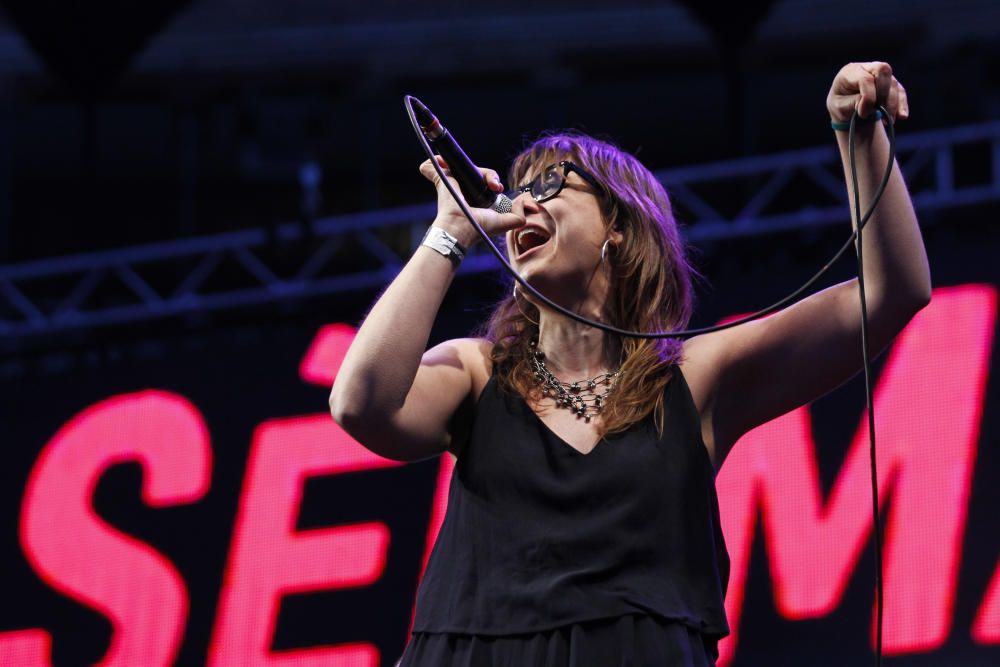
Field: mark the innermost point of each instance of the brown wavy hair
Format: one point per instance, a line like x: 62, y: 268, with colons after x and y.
x: 650, y: 284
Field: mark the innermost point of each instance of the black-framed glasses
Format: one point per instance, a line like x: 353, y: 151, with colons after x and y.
x: 550, y: 182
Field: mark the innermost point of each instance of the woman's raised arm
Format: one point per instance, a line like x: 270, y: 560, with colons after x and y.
x: 389, y: 394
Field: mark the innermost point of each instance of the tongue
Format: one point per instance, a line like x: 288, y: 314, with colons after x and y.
x: 532, y: 240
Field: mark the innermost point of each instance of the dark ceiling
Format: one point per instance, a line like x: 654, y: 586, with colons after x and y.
x: 136, y: 122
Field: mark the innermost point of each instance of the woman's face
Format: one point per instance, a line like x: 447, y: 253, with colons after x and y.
x: 566, y: 267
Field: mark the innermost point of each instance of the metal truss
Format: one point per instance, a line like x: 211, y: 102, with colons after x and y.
x: 365, y: 251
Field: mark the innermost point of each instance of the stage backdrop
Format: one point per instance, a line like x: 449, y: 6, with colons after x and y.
x: 189, y: 500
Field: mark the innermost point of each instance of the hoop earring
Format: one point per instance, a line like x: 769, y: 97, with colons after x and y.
x: 535, y: 322
x: 604, y: 250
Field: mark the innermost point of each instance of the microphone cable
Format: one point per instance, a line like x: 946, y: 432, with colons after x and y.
x: 860, y: 222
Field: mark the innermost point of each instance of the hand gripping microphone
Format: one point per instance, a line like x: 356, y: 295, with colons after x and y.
x: 471, y: 182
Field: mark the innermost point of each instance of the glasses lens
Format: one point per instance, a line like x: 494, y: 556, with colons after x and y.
x: 548, y: 183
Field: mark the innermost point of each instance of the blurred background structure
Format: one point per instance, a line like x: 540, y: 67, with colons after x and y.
x: 192, y: 190
x: 135, y: 124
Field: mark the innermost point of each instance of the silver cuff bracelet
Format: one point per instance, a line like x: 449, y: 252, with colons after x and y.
x: 444, y: 243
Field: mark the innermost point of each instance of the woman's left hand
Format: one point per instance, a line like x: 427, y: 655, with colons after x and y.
x: 864, y: 86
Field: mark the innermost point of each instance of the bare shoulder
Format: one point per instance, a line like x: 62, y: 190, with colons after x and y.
x: 702, y: 363
x: 474, y: 354
x: 697, y: 365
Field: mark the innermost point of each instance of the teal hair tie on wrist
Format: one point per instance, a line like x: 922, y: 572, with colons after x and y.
x: 844, y: 127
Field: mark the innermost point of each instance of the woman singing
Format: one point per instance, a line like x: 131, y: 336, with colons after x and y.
x: 582, y: 525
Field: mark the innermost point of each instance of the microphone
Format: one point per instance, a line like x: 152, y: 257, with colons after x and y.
x: 470, y: 181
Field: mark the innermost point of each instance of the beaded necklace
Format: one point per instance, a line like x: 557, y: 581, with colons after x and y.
x: 578, y: 396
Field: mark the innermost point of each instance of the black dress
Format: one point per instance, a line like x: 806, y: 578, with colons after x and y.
x: 551, y: 557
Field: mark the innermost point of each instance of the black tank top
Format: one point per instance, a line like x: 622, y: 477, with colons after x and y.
x: 538, y: 535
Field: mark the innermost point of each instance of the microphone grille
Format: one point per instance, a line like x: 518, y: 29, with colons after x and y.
x: 503, y: 204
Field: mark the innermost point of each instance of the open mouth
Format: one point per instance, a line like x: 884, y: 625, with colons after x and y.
x: 529, y: 239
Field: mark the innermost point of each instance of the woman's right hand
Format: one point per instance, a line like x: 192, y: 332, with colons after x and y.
x: 450, y: 216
